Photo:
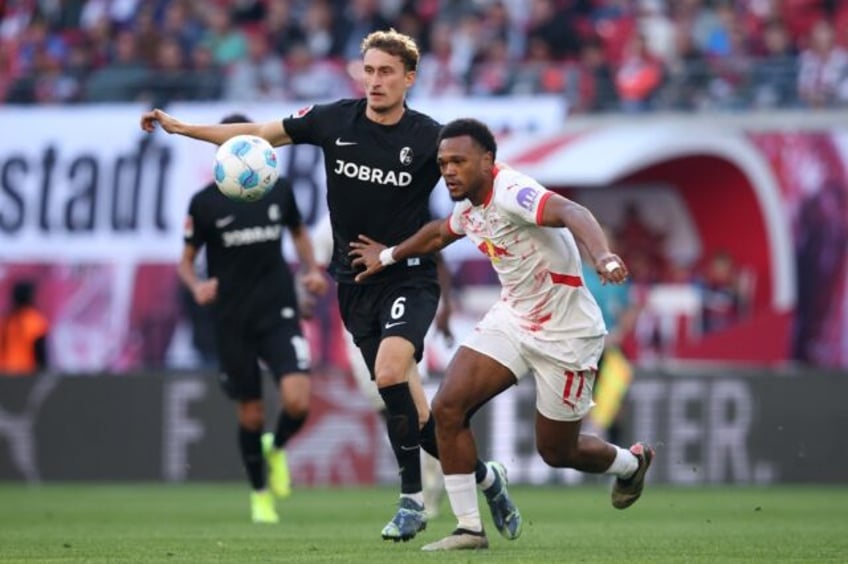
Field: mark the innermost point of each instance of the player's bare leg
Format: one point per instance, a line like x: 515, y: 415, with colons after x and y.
x: 562, y: 445
x: 471, y: 380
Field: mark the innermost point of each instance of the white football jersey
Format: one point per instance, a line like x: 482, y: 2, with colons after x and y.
x: 539, y: 267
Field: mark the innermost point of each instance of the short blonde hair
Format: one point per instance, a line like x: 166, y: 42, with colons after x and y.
x: 394, y: 43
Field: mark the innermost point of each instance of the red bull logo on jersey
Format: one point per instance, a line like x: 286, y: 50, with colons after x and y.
x: 492, y: 251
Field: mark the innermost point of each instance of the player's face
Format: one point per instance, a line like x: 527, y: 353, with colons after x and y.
x: 466, y: 168
x: 386, y: 80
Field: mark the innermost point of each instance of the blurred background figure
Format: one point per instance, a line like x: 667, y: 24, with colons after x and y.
x: 23, y: 334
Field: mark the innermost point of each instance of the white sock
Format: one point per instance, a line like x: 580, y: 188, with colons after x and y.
x: 488, y: 480
x: 624, y: 465
x: 417, y: 497
x: 462, y: 493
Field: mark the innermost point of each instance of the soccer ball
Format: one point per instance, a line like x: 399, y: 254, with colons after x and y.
x: 245, y: 168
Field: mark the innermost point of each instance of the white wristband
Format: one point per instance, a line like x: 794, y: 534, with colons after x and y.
x: 612, y: 265
x: 386, y: 258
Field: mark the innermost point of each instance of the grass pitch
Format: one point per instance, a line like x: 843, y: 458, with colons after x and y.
x: 209, y: 523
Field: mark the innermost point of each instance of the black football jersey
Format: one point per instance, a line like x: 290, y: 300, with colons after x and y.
x: 243, y: 242
x: 379, y: 179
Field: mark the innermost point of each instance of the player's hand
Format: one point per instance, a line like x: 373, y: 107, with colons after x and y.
x: 205, y: 291
x: 443, y: 322
x: 366, y: 254
x: 611, y: 268
x: 165, y: 121
x: 314, y: 281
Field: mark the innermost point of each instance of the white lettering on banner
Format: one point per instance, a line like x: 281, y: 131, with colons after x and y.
x: 179, y: 430
x: 684, y: 432
x: 19, y: 429
x: 251, y: 235
x: 701, y: 427
x: 707, y: 425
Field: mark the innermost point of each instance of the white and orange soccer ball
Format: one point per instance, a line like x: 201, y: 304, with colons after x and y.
x: 246, y: 168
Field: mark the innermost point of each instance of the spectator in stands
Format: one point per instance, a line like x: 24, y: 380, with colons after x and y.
x: 688, y: 73
x: 227, y: 42
x: 23, y: 334
x: 439, y: 74
x: 259, y: 76
x: 313, y: 79
x: 281, y: 28
x: 591, y: 86
x: 171, y: 80
x: 123, y: 77
x: 721, y: 295
x: 639, y: 77
x: 360, y: 17
x: 823, y: 69
x: 773, y: 77
x: 207, y: 76
x: 180, y: 22
x: 321, y: 31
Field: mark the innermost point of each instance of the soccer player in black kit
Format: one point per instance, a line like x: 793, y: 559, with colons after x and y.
x: 380, y: 160
x: 251, y: 292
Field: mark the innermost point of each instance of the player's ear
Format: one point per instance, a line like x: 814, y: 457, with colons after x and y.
x: 410, y: 78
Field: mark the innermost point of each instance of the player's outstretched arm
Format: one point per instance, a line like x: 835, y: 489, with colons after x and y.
x: 203, y: 291
x: 272, y: 131
x: 375, y: 256
x: 562, y: 212
x: 312, y: 277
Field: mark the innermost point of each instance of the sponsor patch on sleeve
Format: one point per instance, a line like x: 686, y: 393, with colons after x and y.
x: 188, y: 227
x: 527, y: 197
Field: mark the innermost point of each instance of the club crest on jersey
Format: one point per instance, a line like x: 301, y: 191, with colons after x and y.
x: 527, y: 197
x: 406, y: 156
x: 302, y: 112
x: 494, y: 252
x: 274, y: 212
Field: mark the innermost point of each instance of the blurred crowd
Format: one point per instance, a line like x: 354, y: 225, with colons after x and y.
x: 601, y: 55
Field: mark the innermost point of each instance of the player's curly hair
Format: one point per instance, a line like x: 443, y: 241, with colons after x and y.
x: 475, y: 129
x: 394, y: 43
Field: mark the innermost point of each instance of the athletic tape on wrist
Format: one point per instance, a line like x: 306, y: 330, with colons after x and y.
x: 386, y: 258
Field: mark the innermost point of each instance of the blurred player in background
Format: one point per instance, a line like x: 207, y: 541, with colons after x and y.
x: 380, y: 162
x: 251, y: 291
x: 546, y: 321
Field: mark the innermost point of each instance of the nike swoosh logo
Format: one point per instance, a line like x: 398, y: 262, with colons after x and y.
x: 224, y: 221
x: 340, y: 143
x: 406, y: 448
x: 396, y: 323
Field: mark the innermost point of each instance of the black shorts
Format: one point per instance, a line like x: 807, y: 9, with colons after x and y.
x: 396, y: 308
x: 281, y: 348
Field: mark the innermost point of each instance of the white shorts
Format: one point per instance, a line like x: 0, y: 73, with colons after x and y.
x: 564, y: 369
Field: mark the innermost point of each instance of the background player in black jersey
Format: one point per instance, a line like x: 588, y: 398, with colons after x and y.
x: 251, y: 292
x: 380, y: 161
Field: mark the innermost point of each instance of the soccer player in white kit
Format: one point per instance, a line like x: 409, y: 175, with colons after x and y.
x: 546, y: 322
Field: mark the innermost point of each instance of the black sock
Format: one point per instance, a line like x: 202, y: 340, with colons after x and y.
x: 428, y: 438
x: 250, y: 445
x: 402, y: 424
x: 428, y: 443
x: 480, y: 471
x: 287, y: 426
